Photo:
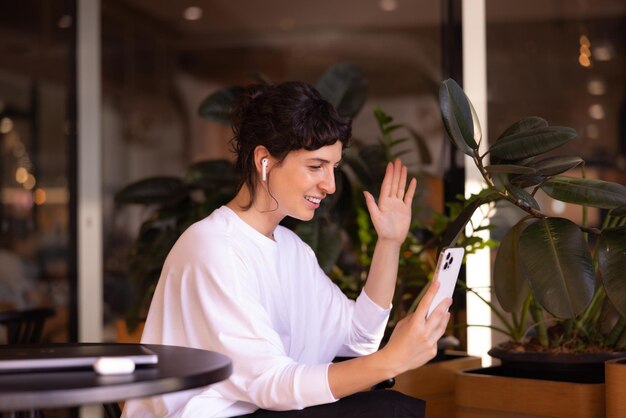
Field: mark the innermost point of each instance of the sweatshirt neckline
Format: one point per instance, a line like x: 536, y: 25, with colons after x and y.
x: 250, y: 230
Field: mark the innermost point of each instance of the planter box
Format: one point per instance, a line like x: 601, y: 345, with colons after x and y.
x: 489, y: 392
x: 435, y: 382
x: 615, y: 372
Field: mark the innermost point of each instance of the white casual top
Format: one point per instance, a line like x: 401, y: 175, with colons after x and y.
x: 264, y: 303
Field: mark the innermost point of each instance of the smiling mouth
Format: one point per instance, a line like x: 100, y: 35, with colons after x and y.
x: 312, y: 199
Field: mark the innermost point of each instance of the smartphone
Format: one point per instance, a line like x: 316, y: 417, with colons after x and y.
x: 447, y: 272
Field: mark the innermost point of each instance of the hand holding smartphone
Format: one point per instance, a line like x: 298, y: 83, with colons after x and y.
x: 447, y: 272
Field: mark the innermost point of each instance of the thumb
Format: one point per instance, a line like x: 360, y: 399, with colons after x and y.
x: 372, y: 207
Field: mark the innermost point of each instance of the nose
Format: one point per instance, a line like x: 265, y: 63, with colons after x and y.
x: 328, y: 182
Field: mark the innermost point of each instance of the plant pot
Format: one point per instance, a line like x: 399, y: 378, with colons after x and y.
x: 435, y: 382
x: 126, y: 336
x: 498, y: 392
x: 615, y: 371
x: 535, y: 384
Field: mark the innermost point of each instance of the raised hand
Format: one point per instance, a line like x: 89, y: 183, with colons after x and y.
x: 391, y: 215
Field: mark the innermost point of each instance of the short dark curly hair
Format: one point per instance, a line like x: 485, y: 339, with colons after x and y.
x: 283, y: 118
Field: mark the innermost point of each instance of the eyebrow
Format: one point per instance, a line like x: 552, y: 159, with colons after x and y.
x: 324, y: 161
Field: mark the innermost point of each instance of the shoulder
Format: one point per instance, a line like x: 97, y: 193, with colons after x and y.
x: 211, y: 235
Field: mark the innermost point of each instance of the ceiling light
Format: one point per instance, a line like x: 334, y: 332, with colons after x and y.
x: 388, y: 5
x: 596, y: 87
x: 596, y: 111
x: 603, y: 53
x: 6, y: 125
x: 192, y: 13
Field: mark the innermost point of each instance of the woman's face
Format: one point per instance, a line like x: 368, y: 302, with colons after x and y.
x: 303, y: 179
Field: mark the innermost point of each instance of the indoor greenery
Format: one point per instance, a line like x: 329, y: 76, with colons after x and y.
x: 561, y: 283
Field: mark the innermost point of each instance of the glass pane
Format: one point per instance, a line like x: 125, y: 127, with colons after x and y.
x: 36, y: 59
x: 566, y: 63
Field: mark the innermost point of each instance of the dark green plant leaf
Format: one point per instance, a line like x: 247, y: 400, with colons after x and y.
x: 522, y: 196
x: 454, y: 229
x: 154, y: 190
x: 590, y: 192
x: 212, y: 175
x: 524, y: 181
x: 509, y: 169
x: 325, y: 239
x: 423, y: 152
x: 345, y: 86
x: 530, y: 143
x: 555, y: 165
x: 218, y: 105
x: 555, y: 259
x: 526, y: 124
x: 457, y: 116
x: 510, y: 284
x: 619, y: 211
x: 612, y: 265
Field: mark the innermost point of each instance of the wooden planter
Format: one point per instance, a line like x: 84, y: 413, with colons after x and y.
x: 124, y: 336
x: 490, y: 393
x: 615, y: 371
x: 435, y: 382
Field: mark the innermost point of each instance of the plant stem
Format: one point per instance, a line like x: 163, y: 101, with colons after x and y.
x: 593, y: 311
x: 542, y: 332
x: 494, y: 309
x: 616, y: 332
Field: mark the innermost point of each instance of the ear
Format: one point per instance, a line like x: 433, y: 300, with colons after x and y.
x: 261, y: 161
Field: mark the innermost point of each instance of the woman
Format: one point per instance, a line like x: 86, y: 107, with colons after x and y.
x: 240, y: 284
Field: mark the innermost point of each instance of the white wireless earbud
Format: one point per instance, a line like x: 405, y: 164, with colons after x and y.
x: 264, y: 169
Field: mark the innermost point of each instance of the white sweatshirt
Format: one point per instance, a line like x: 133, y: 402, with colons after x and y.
x: 264, y: 303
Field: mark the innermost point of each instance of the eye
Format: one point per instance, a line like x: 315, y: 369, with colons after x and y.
x: 315, y: 167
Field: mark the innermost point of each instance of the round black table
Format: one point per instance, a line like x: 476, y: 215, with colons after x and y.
x: 179, y: 368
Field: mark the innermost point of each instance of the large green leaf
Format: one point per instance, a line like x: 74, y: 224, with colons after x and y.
x: 510, y: 284
x: 456, y: 113
x: 590, y: 192
x: 555, y: 165
x: 218, y: 105
x: 557, y: 263
x: 522, y: 196
x: 153, y: 190
x: 212, y: 175
x: 325, y: 239
x: 509, y: 169
x: 525, y: 144
x: 345, y: 86
x: 612, y: 265
x: 526, y: 124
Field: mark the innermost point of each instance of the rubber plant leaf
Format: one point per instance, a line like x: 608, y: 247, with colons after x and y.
x: 612, y: 264
x: 523, y: 125
x: 218, y: 105
x: 510, y: 284
x: 509, y: 169
x: 345, y: 86
x: 522, y: 196
x: 582, y: 191
x: 555, y: 165
x: 525, y: 144
x: 153, y: 190
x: 557, y: 263
x: 457, y: 117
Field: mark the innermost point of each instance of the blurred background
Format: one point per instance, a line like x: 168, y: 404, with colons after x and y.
x: 562, y: 60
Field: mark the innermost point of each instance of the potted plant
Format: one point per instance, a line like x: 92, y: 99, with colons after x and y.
x: 559, y: 284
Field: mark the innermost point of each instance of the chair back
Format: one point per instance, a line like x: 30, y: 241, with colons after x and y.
x: 25, y: 327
